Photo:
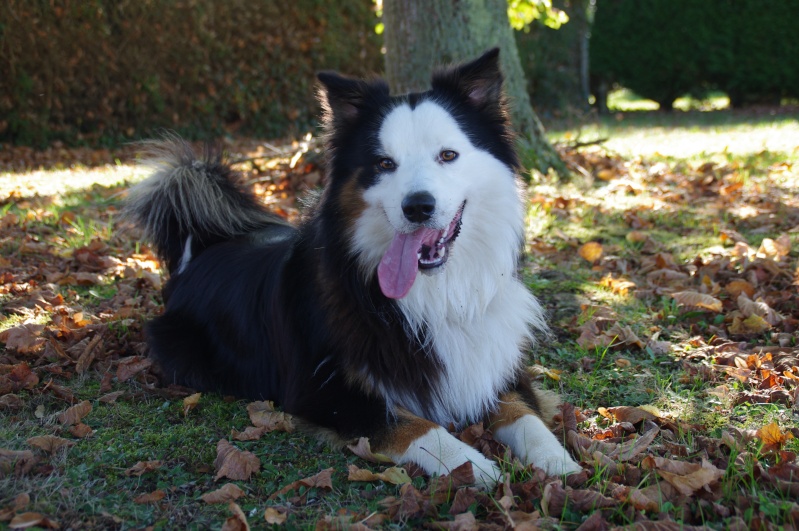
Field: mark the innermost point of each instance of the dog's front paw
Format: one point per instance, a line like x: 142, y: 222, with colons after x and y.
x: 533, y: 443
x: 439, y: 454
x: 557, y: 464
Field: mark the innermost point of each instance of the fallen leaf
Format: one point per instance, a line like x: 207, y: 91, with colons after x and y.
x: 80, y: 430
x: 462, y: 522
x: 323, y: 480
x: 630, y: 414
x: 697, y: 300
x: 250, y: 433
x: 263, y: 415
x: 363, y: 450
x: 749, y: 307
x: 393, y: 475
x: 74, y: 414
x: 233, y: 463
x: 17, y: 461
x: 26, y: 520
x: 686, y: 477
x: 18, y: 377
x: 190, y: 402
x: 24, y: 338
x: 11, y: 402
x: 772, y: 437
x: 274, y: 516
x: 738, y: 286
x: 143, y: 467
x: 224, y: 494
x: 590, y: 252
x: 752, y: 325
x: 131, y: 366
x: 110, y: 398
x: 152, y: 497
x: 464, y: 498
x: 88, y: 354
x: 49, y: 443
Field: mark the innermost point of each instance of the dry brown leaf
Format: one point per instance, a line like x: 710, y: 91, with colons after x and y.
x: 749, y: 307
x: 237, y: 522
x: 87, y: 356
x: 772, y: 437
x: 590, y: 252
x: 74, y: 414
x: 142, y: 467
x: 25, y: 338
x: 464, y: 498
x: 152, y: 497
x: 363, y: 450
x: 686, y: 477
x: 553, y: 500
x: 17, y: 461
x: 697, y: 300
x: 18, y: 377
x: 250, y: 433
x: 30, y: 519
x: 11, y: 402
x: 394, y: 475
x: 274, y: 516
x: 80, y: 430
x: 233, y: 463
x: 738, y: 286
x: 110, y: 398
x: 224, y: 494
x: 50, y: 443
x: 131, y: 366
x: 630, y: 414
x: 752, y: 325
x: 190, y: 402
x: 584, y: 500
x: 322, y: 480
x: 263, y: 415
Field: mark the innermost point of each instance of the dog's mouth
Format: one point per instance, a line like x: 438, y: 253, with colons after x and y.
x: 424, y: 249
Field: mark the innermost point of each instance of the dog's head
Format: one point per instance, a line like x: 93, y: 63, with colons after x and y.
x: 426, y: 180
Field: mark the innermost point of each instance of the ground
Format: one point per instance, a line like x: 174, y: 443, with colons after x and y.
x: 668, y: 265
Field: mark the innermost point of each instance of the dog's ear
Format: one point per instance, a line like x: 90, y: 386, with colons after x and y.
x: 344, y: 99
x: 479, y: 80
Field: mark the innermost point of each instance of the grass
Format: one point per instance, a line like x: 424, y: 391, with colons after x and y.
x: 86, y: 485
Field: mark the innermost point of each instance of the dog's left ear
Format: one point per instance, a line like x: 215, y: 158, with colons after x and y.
x: 479, y: 80
x: 344, y: 99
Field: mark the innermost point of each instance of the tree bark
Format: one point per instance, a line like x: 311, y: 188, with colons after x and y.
x: 420, y: 35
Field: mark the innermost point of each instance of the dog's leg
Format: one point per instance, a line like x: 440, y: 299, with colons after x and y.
x: 516, y: 423
x: 414, y: 439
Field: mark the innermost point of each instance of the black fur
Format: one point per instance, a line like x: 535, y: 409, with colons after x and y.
x: 266, y: 311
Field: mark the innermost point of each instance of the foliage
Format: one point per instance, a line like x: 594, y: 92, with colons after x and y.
x: 522, y: 13
x: 663, y: 49
x: 119, y: 70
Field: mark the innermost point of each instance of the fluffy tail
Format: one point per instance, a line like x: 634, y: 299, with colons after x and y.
x: 191, y: 203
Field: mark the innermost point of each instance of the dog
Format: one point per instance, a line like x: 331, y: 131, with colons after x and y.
x: 394, y: 309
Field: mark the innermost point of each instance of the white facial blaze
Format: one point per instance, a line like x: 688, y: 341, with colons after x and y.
x: 477, y: 313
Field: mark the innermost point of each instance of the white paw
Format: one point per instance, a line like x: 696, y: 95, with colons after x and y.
x: 439, y: 453
x: 533, y: 443
x: 557, y: 465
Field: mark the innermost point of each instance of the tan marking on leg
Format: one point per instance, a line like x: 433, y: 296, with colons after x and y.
x: 407, y: 429
x: 511, y: 408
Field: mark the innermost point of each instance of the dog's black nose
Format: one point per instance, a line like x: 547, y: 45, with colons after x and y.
x: 418, y: 207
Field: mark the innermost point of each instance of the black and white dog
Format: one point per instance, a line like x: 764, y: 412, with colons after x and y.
x: 394, y: 309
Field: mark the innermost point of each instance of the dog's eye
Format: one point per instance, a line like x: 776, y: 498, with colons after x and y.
x: 448, y: 155
x: 386, y: 164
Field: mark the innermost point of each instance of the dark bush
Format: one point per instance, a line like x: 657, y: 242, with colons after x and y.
x: 663, y: 49
x: 115, y: 69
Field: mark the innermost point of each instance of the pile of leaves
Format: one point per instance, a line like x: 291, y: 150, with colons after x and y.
x: 718, y: 321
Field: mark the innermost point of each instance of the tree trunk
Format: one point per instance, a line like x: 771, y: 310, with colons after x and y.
x: 422, y: 34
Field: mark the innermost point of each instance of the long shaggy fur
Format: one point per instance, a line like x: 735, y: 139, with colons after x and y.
x: 372, y: 318
x: 190, y: 196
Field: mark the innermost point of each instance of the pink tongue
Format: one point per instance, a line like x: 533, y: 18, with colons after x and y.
x: 398, y: 268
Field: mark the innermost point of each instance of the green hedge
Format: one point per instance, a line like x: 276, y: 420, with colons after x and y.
x: 116, y: 69
x: 663, y: 49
